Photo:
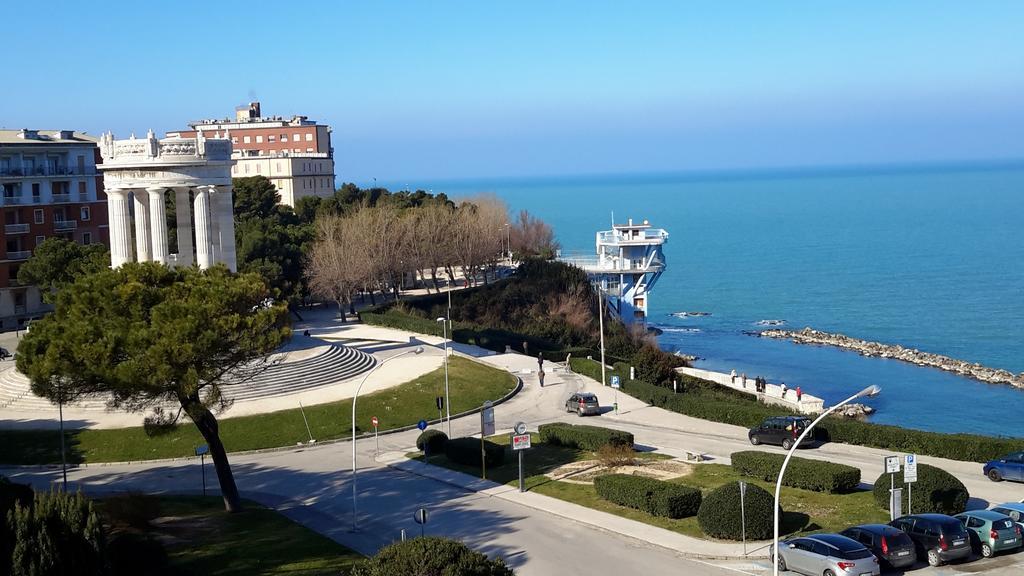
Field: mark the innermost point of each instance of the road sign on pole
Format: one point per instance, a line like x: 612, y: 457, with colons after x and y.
x: 892, y: 464
x: 422, y: 425
x: 909, y: 477
x: 616, y: 383
x: 376, y: 440
x: 201, y: 451
x: 895, y: 503
x: 486, y: 429
x: 421, y: 518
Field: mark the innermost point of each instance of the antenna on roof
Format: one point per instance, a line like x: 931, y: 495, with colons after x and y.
x: 613, y: 218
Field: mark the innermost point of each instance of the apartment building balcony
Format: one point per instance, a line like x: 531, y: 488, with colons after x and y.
x: 13, y: 200
x: 46, y: 171
x: 19, y: 255
x: 16, y: 228
x: 19, y: 309
x: 61, y: 198
x: 64, y: 225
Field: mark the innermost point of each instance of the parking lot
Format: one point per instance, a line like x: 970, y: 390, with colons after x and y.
x: 1001, y: 565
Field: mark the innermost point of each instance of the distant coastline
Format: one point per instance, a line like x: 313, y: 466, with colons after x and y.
x: 895, y: 351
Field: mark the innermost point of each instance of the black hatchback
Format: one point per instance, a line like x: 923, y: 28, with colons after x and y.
x: 891, y: 546
x: 780, y: 430
x: 937, y: 537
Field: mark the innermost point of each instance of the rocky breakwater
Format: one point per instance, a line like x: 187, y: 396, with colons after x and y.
x: 897, y: 352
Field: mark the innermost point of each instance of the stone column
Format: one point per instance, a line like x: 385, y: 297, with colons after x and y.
x: 226, y: 227
x: 204, y: 245
x: 158, y: 223
x: 215, y: 224
x: 183, y: 215
x: 143, y: 239
x: 120, y: 227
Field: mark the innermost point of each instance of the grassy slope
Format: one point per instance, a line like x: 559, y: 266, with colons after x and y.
x: 470, y: 384
x: 806, y: 511
x: 256, y: 541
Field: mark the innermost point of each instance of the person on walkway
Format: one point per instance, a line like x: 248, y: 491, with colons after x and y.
x: 783, y: 386
x: 743, y: 379
x: 540, y: 361
x: 526, y: 348
x: 799, y: 394
x: 540, y: 376
x: 732, y: 376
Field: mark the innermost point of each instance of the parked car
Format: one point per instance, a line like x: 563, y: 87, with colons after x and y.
x: 828, y: 554
x: 583, y: 403
x: 991, y: 531
x: 938, y: 538
x: 780, y: 430
x: 1015, y: 510
x: 4, y: 353
x: 1009, y: 467
x: 893, y: 547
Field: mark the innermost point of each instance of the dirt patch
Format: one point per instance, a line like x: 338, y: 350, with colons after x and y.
x: 584, y: 471
x: 172, y: 530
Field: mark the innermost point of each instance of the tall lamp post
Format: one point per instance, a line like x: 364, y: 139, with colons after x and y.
x: 870, y: 391
x: 600, y: 316
x: 447, y: 403
x: 355, y: 515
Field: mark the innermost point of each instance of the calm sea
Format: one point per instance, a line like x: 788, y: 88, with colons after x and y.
x: 931, y: 258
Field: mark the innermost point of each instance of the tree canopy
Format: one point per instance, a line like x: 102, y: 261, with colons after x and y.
x: 150, y: 336
x: 58, y: 262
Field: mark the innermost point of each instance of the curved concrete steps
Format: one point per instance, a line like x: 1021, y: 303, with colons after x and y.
x: 333, y: 365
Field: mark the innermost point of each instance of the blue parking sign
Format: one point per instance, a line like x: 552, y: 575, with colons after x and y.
x: 615, y: 382
x: 422, y: 425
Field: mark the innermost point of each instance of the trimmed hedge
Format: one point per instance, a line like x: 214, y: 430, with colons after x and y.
x: 816, y: 475
x: 583, y: 437
x: 720, y: 516
x: 935, y: 491
x: 709, y: 401
x: 431, y: 442
x: 656, y: 497
x: 467, y: 451
x: 431, y: 556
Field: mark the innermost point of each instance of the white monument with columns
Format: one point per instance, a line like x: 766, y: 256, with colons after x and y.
x: 142, y: 171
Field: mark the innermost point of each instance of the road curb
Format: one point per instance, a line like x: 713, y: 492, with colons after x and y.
x: 85, y: 465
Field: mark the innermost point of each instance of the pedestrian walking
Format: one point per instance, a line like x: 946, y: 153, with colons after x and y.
x: 540, y: 361
x: 526, y: 348
x: 799, y: 394
x: 783, y: 386
x: 732, y: 376
x: 743, y: 380
x: 540, y: 376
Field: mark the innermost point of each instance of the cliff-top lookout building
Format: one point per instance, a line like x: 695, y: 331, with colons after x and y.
x: 142, y: 171
x: 629, y: 262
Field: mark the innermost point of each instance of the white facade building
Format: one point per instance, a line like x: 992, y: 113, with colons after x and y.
x: 142, y: 172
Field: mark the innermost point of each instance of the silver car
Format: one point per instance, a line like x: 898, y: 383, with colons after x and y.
x: 583, y: 403
x: 827, y: 555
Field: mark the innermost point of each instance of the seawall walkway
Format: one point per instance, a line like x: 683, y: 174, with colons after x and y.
x: 772, y: 395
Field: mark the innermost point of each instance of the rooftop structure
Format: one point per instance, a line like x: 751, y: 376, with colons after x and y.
x: 48, y: 187
x: 295, y: 153
x: 628, y: 263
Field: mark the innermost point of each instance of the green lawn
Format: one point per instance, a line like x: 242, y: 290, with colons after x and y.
x: 805, y: 511
x: 470, y: 384
x: 201, y: 538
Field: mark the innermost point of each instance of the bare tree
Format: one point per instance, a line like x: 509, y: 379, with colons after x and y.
x: 531, y: 236
x: 338, y: 263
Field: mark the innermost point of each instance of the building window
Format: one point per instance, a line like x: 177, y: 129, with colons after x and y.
x: 284, y: 137
x: 309, y: 149
x: 309, y: 137
x: 234, y: 139
x: 39, y: 240
x: 87, y: 238
x: 271, y: 138
x: 247, y: 140
x: 279, y: 167
x: 259, y: 139
x: 39, y: 216
x: 246, y: 168
x: 83, y: 191
x: 85, y: 213
x: 259, y: 168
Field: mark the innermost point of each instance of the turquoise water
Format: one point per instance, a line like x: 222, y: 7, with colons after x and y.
x: 928, y: 258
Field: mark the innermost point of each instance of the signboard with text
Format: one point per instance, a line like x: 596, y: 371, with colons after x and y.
x: 520, y: 441
x: 487, y: 419
x: 615, y: 382
x: 892, y: 464
x: 909, y: 468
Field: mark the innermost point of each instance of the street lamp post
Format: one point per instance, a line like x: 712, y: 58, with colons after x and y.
x: 355, y: 514
x: 600, y: 316
x: 872, y: 390
x: 447, y: 403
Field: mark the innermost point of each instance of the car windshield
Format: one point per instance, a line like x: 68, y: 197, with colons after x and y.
x: 954, y: 529
x: 1002, y: 524
x: 588, y: 398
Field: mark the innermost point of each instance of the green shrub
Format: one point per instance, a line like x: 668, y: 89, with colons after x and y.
x: 431, y: 556
x: 10, y: 494
x: 935, y: 491
x: 655, y: 497
x: 816, y: 475
x: 582, y: 437
x: 59, y: 533
x: 467, y: 451
x: 720, y: 516
x: 431, y: 442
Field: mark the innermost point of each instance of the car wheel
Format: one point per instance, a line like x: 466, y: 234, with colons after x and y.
x: 755, y: 440
x: 579, y: 412
x: 986, y: 550
x: 787, y: 444
x: 829, y: 573
x: 933, y: 558
x: 782, y: 564
x: 994, y: 475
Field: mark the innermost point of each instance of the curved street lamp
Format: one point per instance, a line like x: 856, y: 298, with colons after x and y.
x: 355, y: 515
x: 870, y: 391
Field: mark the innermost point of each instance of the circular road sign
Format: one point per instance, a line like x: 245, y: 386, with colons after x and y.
x: 422, y: 425
x: 421, y: 516
x: 374, y: 421
x: 520, y: 428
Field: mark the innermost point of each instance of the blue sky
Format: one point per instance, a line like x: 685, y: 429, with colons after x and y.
x: 486, y: 89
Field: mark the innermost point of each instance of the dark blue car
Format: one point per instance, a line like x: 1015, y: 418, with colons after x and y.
x: 1009, y: 467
